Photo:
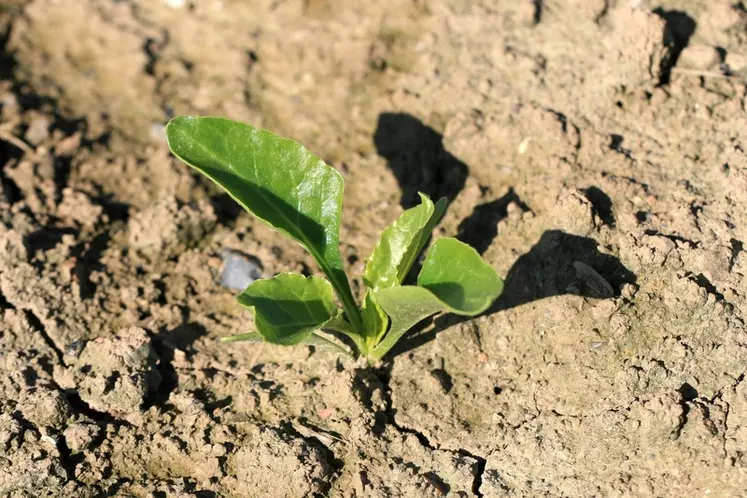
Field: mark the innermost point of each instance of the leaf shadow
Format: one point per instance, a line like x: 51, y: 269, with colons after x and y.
x: 418, y: 159
x: 679, y: 27
x: 165, y: 343
x: 550, y: 268
x: 481, y: 227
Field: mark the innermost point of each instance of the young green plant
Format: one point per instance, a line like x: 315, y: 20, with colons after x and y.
x: 296, y: 193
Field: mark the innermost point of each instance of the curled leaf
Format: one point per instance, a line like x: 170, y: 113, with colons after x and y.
x: 400, y: 243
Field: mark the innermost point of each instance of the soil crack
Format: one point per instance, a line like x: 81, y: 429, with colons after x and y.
x: 674, y: 238
x: 481, y: 462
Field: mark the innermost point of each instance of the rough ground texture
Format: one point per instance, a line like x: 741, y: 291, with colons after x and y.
x: 593, y: 151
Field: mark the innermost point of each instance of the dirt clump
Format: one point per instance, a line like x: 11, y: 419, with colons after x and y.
x: 167, y: 228
x: 112, y: 375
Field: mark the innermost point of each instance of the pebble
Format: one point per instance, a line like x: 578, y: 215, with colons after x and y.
x: 158, y: 132
x: 239, y: 270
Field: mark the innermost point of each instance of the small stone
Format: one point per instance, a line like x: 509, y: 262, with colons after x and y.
x: 239, y: 270
x: 9, y: 107
x: 175, y: 4
x: 574, y: 213
x: 74, y: 348
x: 628, y: 290
x: 701, y: 57
x: 158, y: 132
x: 325, y: 413
x: 68, y: 145
x: 596, y: 346
x: 736, y: 61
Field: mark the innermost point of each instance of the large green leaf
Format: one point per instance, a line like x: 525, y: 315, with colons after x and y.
x: 400, y: 243
x: 453, y: 278
x: 277, y: 180
x: 289, y: 307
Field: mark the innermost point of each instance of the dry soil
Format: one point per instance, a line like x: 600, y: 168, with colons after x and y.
x: 594, y: 151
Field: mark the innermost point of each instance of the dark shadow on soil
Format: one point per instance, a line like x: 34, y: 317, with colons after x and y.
x: 87, y: 256
x: 602, y: 204
x: 560, y: 263
x: 226, y: 209
x: 45, y: 239
x: 165, y: 343
x: 481, y: 227
x: 678, y: 29
x: 183, y: 336
x: 416, y: 155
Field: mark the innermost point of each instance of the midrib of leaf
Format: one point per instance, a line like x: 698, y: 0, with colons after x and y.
x: 343, y: 290
x: 411, y: 260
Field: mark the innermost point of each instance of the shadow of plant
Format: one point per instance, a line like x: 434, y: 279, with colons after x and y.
x: 481, y: 227
x: 416, y: 155
x: 559, y: 264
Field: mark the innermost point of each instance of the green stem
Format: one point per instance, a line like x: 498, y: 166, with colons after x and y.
x: 342, y: 287
x: 351, y: 309
x: 343, y: 327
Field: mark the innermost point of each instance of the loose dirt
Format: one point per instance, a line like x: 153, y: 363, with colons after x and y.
x: 592, y: 151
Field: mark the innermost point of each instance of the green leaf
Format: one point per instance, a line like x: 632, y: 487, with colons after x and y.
x: 340, y: 325
x: 277, y: 180
x: 289, y: 307
x: 458, y: 276
x: 406, y: 306
x: 453, y: 278
x: 375, y: 321
x: 400, y: 244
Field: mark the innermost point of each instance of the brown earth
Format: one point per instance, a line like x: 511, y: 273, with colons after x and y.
x: 593, y: 151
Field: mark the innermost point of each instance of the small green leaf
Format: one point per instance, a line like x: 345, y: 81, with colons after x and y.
x: 289, y: 307
x: 458, y: 276
x: 375, y: 321
x: 406, y: 306
x: 277, y: 180
x: 453, y: 278
x: 400, y: 244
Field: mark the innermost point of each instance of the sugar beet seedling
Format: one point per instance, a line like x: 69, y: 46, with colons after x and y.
x: 296, y: 193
